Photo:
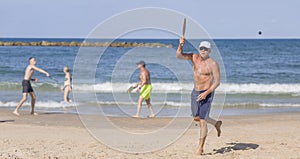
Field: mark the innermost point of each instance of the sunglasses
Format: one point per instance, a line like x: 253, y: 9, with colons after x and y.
x: 204, y: 48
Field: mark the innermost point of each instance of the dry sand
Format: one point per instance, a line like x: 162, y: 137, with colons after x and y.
x: 51, y: 135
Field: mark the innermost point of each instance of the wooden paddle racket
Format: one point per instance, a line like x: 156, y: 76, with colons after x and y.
x: 130, y: 89
x: 183, y: 27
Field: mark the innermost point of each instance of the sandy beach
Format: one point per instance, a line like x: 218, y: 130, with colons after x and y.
x: 56, y: 135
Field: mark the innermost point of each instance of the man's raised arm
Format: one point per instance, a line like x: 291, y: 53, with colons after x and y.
x: 180, y: 54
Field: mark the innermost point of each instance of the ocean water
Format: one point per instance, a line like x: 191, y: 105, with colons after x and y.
x: 257, y: 76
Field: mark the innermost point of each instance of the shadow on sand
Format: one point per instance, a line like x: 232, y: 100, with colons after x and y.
x: 4, y: 121
x: 234, y: 147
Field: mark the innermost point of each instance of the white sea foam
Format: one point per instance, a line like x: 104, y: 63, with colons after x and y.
x: 279, y: 105
x: 261, y: 88
x: 54, y: 104
x: 230, y: 88
x: 41, y: 104
x: 165, y: 103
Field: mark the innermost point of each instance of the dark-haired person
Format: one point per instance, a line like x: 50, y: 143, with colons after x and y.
x: 206, y: 80
x: 27, y: 85
x: 144, y: 88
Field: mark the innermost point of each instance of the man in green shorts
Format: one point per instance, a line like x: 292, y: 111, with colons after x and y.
x: 144, y: 88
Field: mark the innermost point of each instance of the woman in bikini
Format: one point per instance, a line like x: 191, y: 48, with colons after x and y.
x: 67, y: 85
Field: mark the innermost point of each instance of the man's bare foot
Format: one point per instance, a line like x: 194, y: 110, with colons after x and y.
x: 34, y: 113
x: 135, y: 116
x: 16, y: 113
x: 199, y: 151
x: 151, y: 116
x: 218, y: 127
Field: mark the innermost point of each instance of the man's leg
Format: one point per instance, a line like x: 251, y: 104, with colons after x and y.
x: 24, y: 98
x: 203, y: 134
x: 140, y: 101
x: 152, y: 115
x: 33, y: 98
x: 206, y: 112
x: 217, y: 124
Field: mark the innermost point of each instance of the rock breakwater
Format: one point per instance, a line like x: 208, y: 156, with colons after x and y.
x: 85, y: 44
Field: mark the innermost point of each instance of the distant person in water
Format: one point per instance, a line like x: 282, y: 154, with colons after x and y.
x: 206, y: 80
x: 27, y: 85
x: 144, y: 87
x: 67, y: 84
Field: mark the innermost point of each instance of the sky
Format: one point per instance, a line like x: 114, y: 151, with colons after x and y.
x: 221, y: 19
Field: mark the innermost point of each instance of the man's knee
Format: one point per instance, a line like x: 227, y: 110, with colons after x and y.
x: 148, y: 101
x: 203, y: 129
x: 202, y: 122
x: 24, y: 96
x: 33, y: 97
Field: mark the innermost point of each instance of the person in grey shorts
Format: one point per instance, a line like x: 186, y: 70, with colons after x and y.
x: 206, y: 80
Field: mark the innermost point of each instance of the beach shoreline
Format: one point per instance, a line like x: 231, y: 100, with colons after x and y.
x: 58, y: 135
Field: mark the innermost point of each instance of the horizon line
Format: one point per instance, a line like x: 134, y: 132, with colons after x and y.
x: 152, y: 38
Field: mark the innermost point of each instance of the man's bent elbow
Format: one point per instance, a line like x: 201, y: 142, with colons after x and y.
x: 179, y: 56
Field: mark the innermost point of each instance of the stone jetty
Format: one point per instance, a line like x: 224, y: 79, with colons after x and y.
x: 85, y: 44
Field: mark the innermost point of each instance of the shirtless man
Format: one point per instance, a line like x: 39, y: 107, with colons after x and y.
x: 27, y: 85
x: 206, y: 80
x: 144, y: 88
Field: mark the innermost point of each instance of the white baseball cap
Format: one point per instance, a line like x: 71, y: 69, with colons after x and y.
x: 205, y: 44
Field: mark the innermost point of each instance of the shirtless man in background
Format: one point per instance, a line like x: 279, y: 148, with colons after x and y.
x: 27, y: 85
x: 144, y: 87
x: 206, y: 80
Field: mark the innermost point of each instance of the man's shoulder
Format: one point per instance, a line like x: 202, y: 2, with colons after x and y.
x: 212, y: 61
x: 32, y: 67
x: 194, y: 55
x: 147, y: 71
x: 28, y: 66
